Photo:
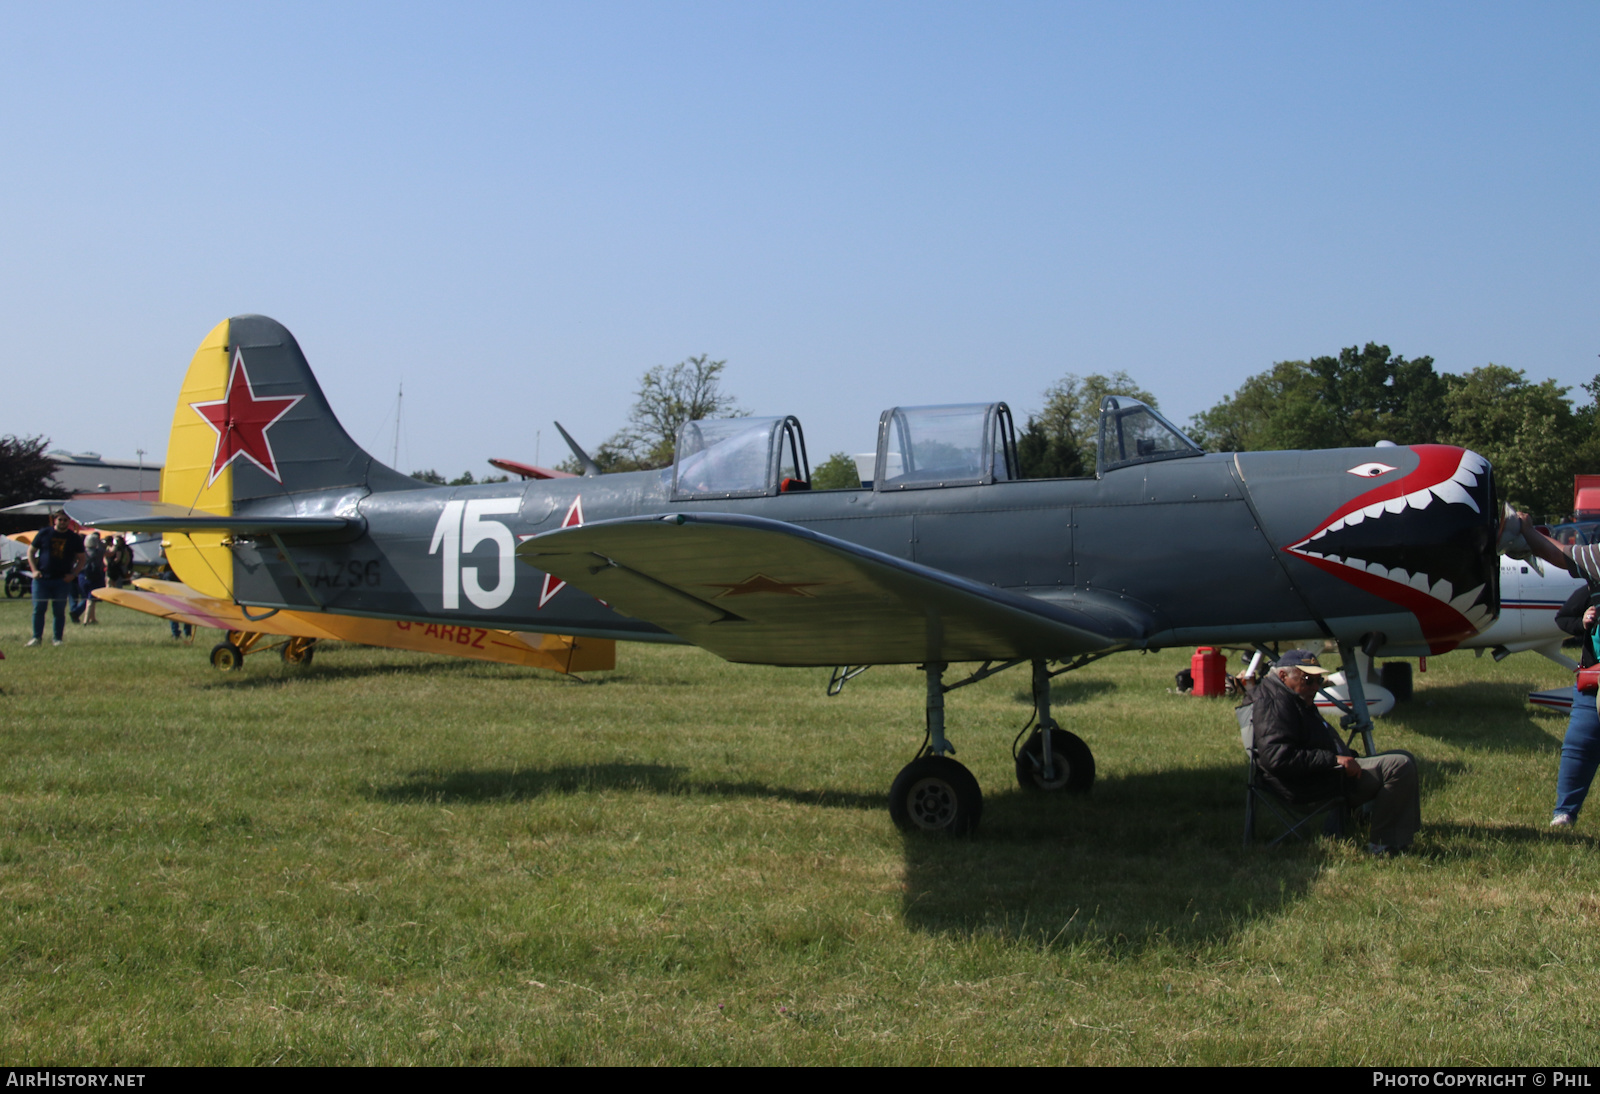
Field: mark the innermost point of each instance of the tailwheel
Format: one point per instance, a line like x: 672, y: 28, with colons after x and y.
x: 227, y: 657
x: 937, y: 795
x: 1071, y: 763
x: 298, y: 651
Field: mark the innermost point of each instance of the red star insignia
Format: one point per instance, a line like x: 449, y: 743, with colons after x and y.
x: 241, y: 421
x: 761, y: 583
x: 552, y: 584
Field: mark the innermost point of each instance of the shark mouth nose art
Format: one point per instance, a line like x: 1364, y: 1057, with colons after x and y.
x: 1422, y: 540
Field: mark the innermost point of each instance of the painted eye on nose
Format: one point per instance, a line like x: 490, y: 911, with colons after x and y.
x: 1370, y: 470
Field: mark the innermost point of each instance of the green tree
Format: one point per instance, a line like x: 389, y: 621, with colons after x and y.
x: 837, y: 472
x: 1528, y: 431
x: 26, y: 473
x: 1353, y: 400
x: 668, y: 397
x: 1062, y: 440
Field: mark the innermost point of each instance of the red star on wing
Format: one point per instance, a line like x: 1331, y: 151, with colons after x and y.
x: 241, y: 421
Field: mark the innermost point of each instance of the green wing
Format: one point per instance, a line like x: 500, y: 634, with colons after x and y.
x: 768, y: 592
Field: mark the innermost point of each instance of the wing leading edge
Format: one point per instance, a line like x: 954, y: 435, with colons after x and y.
x: 768, y: 592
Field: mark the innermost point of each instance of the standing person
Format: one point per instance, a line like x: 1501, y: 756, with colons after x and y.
x: 119, y: 562
x: 93, y: 576
x: 166, y: 574
x: 55, y: 558
x: 1580, y: 748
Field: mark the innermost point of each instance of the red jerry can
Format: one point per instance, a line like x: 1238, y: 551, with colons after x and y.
x: 1210, y: 669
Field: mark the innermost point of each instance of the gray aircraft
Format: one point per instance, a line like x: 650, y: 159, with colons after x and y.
x: 947, y: 556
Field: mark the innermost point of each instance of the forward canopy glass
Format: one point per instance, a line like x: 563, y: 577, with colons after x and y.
x: 1131, y: 432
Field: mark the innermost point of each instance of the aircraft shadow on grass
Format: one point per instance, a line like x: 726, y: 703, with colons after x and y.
x: 1164, y: 843
x: 1458, y: 717
x: 1146, y: 859
x: 524, y: 784
x: 463, y: 671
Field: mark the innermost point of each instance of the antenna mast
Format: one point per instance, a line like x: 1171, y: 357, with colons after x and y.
x: 394, y: 460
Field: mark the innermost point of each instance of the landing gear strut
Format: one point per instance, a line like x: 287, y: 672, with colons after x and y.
x: 934, y: 793
x: 937, y: 795
x: 1052, y: 759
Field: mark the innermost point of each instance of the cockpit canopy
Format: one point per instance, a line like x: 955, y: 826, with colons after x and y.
x: 739, y: 458
x: 1131, y: 432
x: 931, y: 446
x: 919, y: 447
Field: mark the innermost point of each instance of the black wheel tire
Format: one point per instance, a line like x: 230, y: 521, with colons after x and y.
x: 298, y: 655
x: 937, y: 796
x: 13, y: 586
x: 1071, y: 758
x: 1396, y: 676
x: 227, y: 657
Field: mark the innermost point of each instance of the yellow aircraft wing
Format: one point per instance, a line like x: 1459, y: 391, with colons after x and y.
x: 175, y: 601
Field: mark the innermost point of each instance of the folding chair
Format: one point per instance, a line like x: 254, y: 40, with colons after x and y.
x: 1296, y: 818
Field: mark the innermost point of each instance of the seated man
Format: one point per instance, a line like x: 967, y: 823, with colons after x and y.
x: 1302, y: 758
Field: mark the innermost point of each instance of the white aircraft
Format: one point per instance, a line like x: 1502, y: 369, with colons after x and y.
x: 1529, y: 601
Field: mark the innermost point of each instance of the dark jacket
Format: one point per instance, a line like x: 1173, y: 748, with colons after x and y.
x: 1570, y: 619
x: 1295, y: 748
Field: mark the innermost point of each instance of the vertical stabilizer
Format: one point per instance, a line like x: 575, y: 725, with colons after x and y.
x: 251, y: 424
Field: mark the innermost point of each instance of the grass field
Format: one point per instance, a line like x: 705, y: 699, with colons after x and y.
x: 397, y: 859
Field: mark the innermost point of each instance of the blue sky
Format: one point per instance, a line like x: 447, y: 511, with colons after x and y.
x: 516, y: 209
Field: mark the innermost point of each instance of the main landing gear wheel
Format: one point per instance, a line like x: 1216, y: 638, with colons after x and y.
x: 935, y: 794
x: 13, y: 586
x: 227, y: 657
x: 298, y: 651
x: 1070, y: 759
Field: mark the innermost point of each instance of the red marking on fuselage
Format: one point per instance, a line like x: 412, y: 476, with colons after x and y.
x: 552, y: 584
x: 1443, y: 627
x: 1435, y: 464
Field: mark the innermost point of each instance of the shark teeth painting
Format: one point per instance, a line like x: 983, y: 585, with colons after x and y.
x: 1355, y: 543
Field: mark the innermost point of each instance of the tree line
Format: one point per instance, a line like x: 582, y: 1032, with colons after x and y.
x: 1532, y: 432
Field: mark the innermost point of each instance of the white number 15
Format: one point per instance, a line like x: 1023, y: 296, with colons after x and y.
x: 462, y: 527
